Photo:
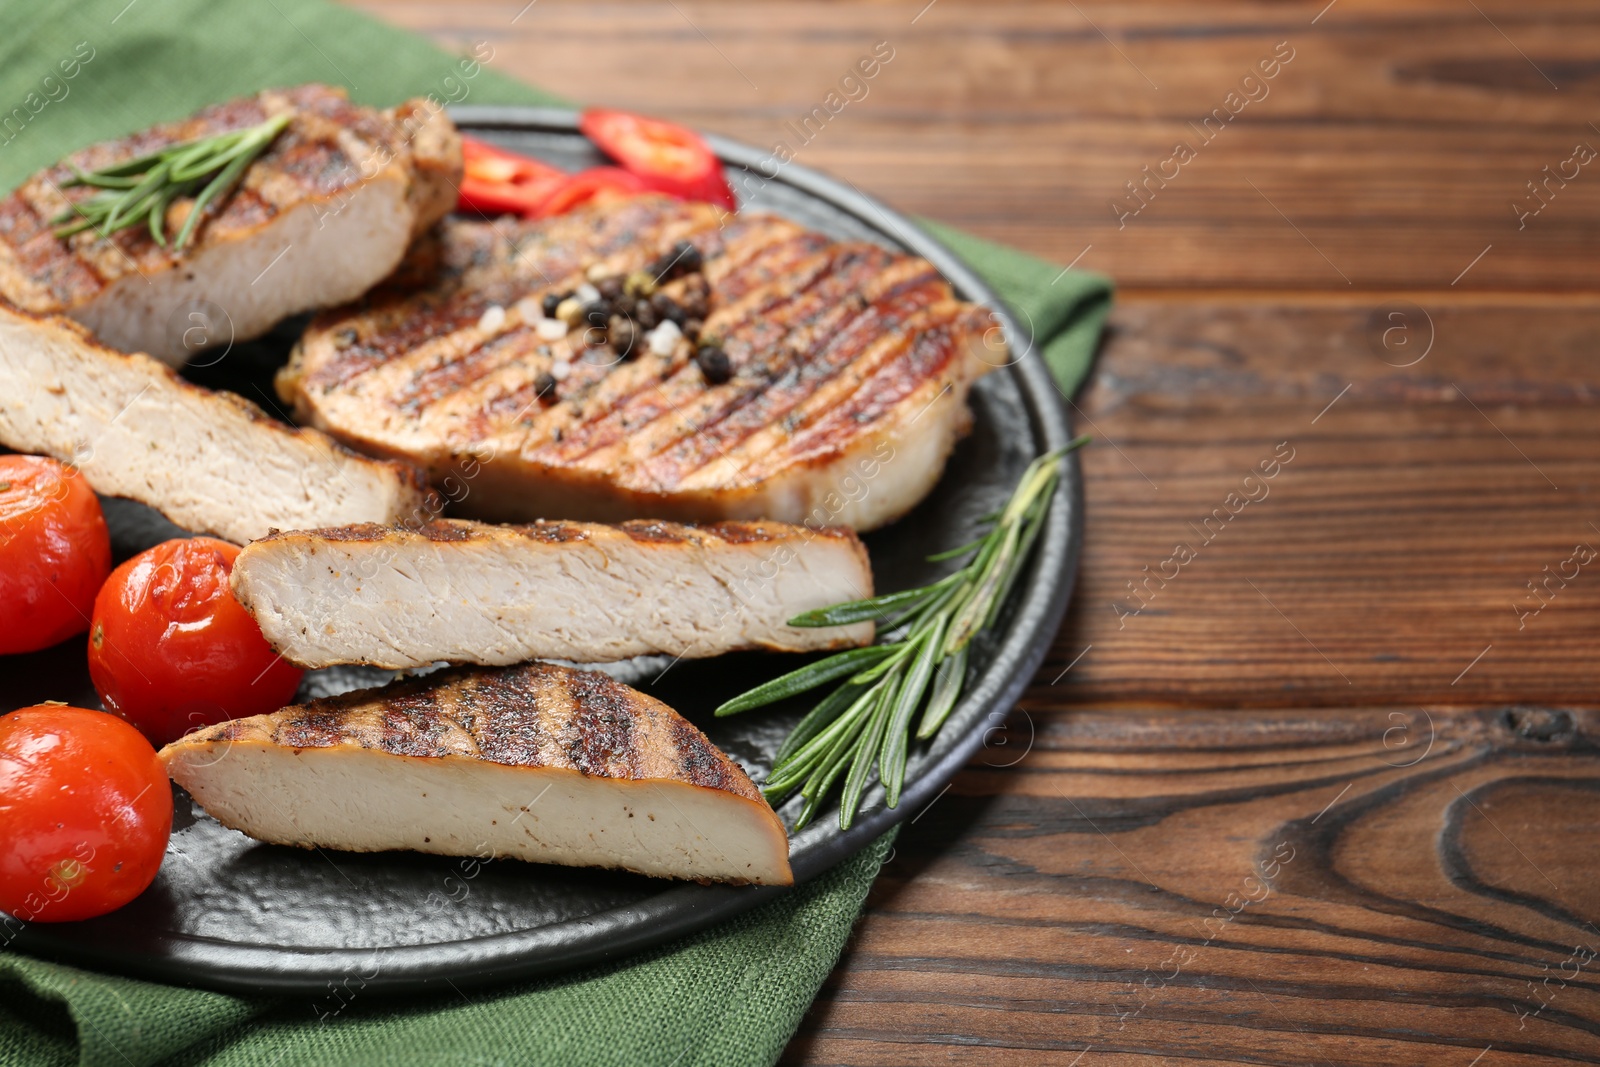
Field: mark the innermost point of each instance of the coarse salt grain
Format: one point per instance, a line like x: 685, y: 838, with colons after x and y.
x: 560, y: 369
x: 551, y: 329
x: 494, y: 317
x: 528, y: 309
x: 664, y: 338
x: 586, y: 294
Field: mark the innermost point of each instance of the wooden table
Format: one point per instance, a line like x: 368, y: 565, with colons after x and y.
x: 1332, y: 794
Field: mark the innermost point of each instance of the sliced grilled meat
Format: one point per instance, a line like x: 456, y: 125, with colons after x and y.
x: 834, y: 397
x: 324, y: 213
x: 210, y: 462
x: 538, y: 763
x: 463, y: 592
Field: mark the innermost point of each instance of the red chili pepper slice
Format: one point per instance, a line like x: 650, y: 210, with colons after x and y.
x: 594, y: 184
x: 669, y: 157
x: 495, y: 182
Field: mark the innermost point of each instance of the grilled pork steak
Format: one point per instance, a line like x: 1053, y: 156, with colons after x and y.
x: 324, y: 213
x: 467, y: 593
x: 839, y: 390
x: 210, y: 462
x: 538, y: 763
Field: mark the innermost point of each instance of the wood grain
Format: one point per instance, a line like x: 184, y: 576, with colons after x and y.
x: 1395, y: 547
x: 1331, y: 795
x: 1357, y: 887
x: 1386, y: 154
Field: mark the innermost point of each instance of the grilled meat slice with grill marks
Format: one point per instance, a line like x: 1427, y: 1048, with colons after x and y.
x: 210, y: 462
x: 539, y: 763
x: 463, y: 592
x: 850, y: 365
x: 324, y: 213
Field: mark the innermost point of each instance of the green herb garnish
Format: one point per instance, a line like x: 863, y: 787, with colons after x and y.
x: 140, y: 190
x: 924, y: 635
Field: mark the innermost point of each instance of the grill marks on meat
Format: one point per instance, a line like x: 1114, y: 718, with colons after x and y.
x: 403, y: 327
x: 765, y: 334
x: 845, y: 303
x: 535, y: 715
x: 340, y: 193
x: 537, y: 762
x: 838, y: 349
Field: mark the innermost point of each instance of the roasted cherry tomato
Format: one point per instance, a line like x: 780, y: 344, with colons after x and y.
x: 597, y: 184
x: 85, y: 811
x: 54, y: 552
x: 669, y: 157
x: 171, y: 650
x: 496, y: 182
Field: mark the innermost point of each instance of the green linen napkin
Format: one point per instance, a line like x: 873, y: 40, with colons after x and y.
x: 72, y: 74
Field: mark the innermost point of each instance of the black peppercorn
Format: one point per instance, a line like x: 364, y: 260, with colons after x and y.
x: 692, y: 328
x: 623, y: 335
x: 598, y: 313
x: 610, y: 288
x: 544, y: 387
x: 695, y: 299
x: 683, y: 258
x: 550, y: 303
x: 713, y: 363
x: 644, y: 313
x: 687, y: 257
x: 667, y: 308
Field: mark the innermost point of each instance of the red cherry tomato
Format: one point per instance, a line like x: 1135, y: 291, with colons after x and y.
x: 669, y: 157
x: 171, y: 650
x: 85, y: 811
x: 495, y: 182
x: 595, y: 185
x: 54, y: 553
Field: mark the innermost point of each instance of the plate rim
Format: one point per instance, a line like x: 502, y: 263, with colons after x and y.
x: 683, y: 909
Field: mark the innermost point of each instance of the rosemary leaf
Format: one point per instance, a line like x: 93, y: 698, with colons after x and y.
x: 158, y: 218
x: 952, y: 553
x: 912, y: 622
x: 866, y: 754
x: 818, y: 718
x: 138, y: 191
x: 976, y: 607
x: 1034, y: 522
x: 128, y: 203
x: 810, y: 676
x: 862, y: 610
x: 101, y: 180
x: 946, y: 691
x: 822, y: 747
x: 924, y: 645
x: 889, y: 663
x: 221, y: 186
x: 128, y: 167
x: 838, y: 757
x: 892, y: 767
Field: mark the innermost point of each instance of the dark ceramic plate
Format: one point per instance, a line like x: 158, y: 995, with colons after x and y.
x: 230, y: 914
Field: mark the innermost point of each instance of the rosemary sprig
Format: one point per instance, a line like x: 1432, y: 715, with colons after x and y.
x: 925, y: 636
x: 139, y: 191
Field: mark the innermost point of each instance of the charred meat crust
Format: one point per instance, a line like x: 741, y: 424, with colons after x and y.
x: 536, y: 715
x: 330, y: 147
